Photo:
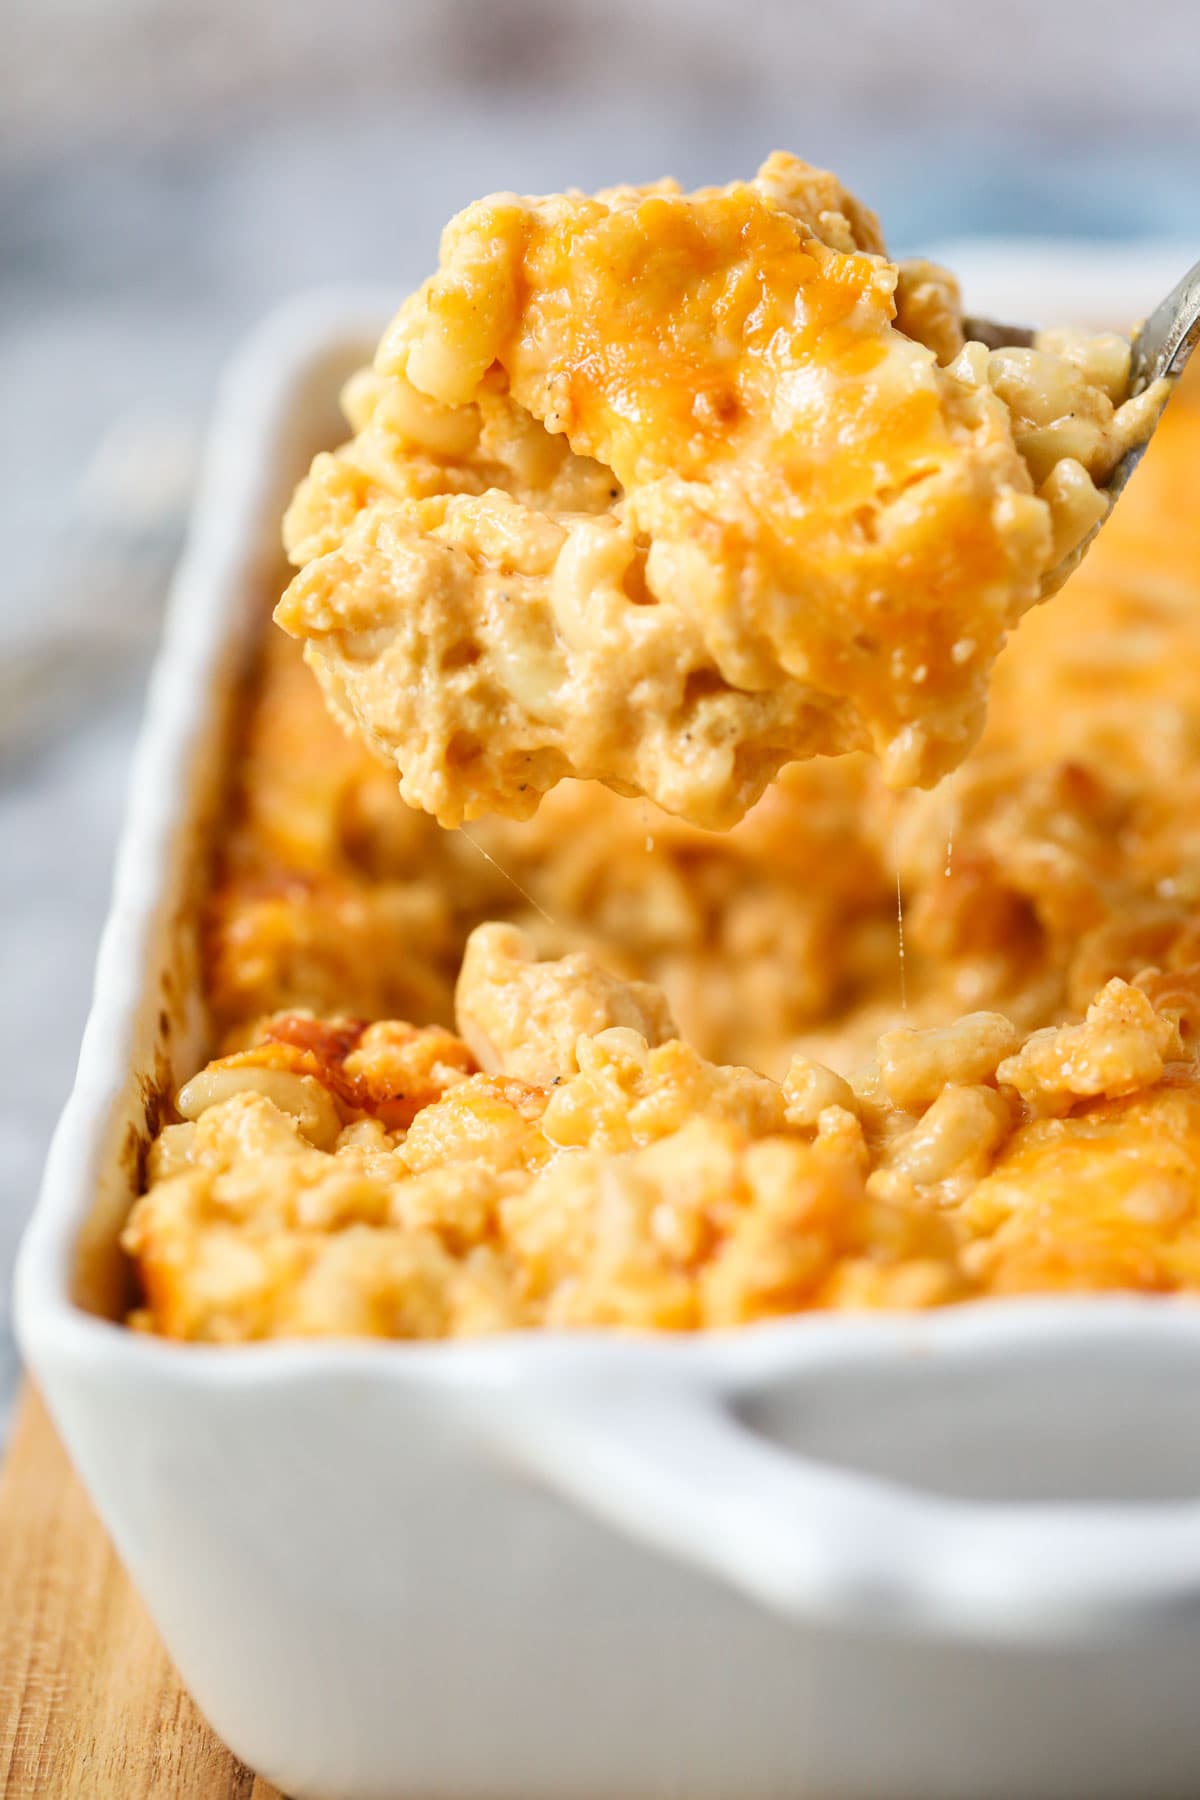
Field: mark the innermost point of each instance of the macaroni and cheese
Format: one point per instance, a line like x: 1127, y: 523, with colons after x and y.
x: 606, y: 1067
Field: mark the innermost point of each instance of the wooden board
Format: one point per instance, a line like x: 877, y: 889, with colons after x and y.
x: 90, y: 1706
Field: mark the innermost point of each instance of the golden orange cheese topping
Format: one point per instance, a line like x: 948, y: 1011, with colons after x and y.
x: 667, y: 490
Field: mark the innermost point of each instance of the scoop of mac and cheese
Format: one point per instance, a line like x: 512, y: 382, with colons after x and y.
x: 667, y: 490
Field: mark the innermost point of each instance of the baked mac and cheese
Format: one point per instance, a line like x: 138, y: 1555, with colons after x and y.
x: 604, y: 1067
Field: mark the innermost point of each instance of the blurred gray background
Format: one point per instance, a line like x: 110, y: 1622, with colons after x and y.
x: 169, y: 169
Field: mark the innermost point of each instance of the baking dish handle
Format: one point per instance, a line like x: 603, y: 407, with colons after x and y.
x: 679, y: 1471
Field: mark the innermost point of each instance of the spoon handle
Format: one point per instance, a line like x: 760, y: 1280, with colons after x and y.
x: 1168, y: 337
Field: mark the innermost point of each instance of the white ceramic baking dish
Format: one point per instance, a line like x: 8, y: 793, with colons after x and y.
x: 950, y: 1556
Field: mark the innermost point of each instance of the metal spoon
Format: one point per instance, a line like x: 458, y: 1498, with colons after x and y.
x: 1159, y: 350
